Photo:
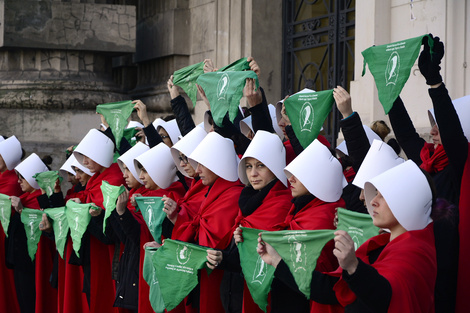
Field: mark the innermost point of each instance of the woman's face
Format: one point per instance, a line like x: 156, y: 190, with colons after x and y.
x: 71, y: 179
x: 258, y: 174
x: 184, y: 163
x: 92, y: 165
x: 297, y: 188
x: 435, y: 135
x: 25, y: 186
x: 81, y: 176
x: 131, y: 182
x: 147, y: 180
x: 206, y: 175
x: 382, y: 216
x: 165, y: 137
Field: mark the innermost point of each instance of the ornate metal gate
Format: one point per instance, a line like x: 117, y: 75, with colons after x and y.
x: 318, y: 49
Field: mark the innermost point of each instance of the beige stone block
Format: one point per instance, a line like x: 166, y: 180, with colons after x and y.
x: 203, y: 28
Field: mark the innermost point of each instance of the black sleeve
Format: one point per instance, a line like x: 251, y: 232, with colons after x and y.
x: 56, y: 200
x: 130, y: 226
x: 231, y: 259
x: 183, y: 117
x: 294, y: 141
x: 95, y: 227
x: 43, y: 201
x: 231, y: 132
x: 167, y: 228
x: 370, y: 287
x: 321, y: 286
x: 453, y: 139
x: 124, y: 145
x: 356, y: 139
x: 260, y: 117
x: 152, y: 135
x: 113, y: 221
x: 405, y: 131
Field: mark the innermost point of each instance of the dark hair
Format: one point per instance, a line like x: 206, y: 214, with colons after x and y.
x: 47, y: 159
x: 168, y: 117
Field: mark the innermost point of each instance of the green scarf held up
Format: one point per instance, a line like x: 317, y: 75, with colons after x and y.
x: 5, y: 212
x: 116, y: 115
x: 176, y: 266
x: 391, y: 65
x: 300, y: 250
x: 149, y: 274
x: 186, y: 79
x: 258, y: 275
x: 31, y: 219
x: 358, y: 225
x: 129, y: 134
x: 78, y: 218
x: 47, y: 181
x: 152, y: 212
x: 60, y: 226
x: 307, y: 112
x: 110, y: 196
x: 224, y: 91
x: 239, y: 65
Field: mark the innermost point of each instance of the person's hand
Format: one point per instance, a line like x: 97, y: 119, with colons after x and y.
x: 208, y: 66
x: 57, y: 186
x: 45, y: 225
x: 141, y: 109
x: 95, y: 211
x: 267, y: 253
x: 172, y: 88
x: 121, y: 203
x: 343, y: 101
x: 133, y: 202
x: 103, y: 120
x: 16, y: 204
x: 214, y: 257
x: 140, y: 135
x: 345, y: 252
x: 76, y: 200
x: 254, y: 66
x: 429, y: 63
x: 238, y: 235
x: 170, y: 207
x: 284, y: 113
x: 152, y: 244
x: 253, y: 97
x: 203, y: 96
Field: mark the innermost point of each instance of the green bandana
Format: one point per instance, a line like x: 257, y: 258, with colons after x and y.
x: 258, y: 275
x: 152, y: 212
x: 186, y: 79
x: 239, y: 65
x: 391, y: 66
x: 129, y: 134
x: 307, y: 112
x: 300, y: 250
x: 224, y: 91
x: 47, y: 181
x: 5, y: 212
x: 60, y: 226
x: 149, y: 274
x: 31, y: 219
x: 116, y: 115
x: 78, y: 218
x: 358, y: 225
x: 176, y: 265
x: 110, y: 195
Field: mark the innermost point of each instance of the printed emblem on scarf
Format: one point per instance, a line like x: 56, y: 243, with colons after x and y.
x: 183, y: 254
x: 259, y: 274
x: 306, y: 117
x: 298, y: 251
x: 393, y: 67
x: 222, y: 86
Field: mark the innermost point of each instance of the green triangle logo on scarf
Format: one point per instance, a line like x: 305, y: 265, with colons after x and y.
x: 110, y: 195
x: 116, y: 115
x: 224, y: 91
x: 47, y: 181
x: 78, y: 218
x: 152, y: 212
x: 5, y: 212
x: 176, y: 266
x: 31, y: 219
x: 307, y: 112
x: 239, y: 65
x: 60, y: 226
x: 258, y: 275
x: 150, y: 276
x: 186, y: 79
x: 358, y: 225
x: 300, y: 250
x: 391, y: 65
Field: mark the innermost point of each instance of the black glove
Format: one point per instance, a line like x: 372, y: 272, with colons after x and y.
x: 429, y: 63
